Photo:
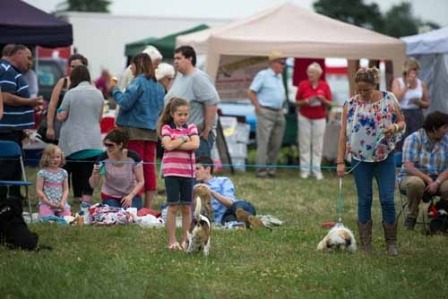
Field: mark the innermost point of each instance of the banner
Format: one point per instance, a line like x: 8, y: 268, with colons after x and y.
x: 235, y: 74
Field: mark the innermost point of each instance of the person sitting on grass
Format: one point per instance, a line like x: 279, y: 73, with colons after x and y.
x: 424, y: 171
x: 52, y: 184
x: 122, y: 170
x: 224, y: 202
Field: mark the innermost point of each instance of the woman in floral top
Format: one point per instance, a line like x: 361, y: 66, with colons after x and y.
x: 372, y: 124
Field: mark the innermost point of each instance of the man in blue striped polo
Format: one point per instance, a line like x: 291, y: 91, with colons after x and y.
x: 18, y: 113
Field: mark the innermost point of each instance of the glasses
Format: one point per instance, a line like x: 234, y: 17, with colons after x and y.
x: 109, y: 144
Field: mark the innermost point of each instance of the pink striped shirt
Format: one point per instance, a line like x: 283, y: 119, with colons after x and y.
x: 178, y: 162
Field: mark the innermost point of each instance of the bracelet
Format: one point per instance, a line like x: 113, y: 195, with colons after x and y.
x: 397, y: 128
x: 337, y: 163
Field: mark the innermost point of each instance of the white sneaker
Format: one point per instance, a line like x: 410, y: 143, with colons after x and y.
x: 319, y: 176
x: 304, y: 175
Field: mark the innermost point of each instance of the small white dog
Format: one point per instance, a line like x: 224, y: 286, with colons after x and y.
x: 199, y: 233
x: 338, y: 238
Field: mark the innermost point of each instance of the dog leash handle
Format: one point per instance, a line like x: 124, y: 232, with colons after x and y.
x: 340, y: 201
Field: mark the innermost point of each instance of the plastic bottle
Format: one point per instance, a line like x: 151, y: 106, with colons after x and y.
x: 86, y: 213
x: 164, y: 210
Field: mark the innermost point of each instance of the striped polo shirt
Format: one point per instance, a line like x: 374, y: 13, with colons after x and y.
x: 178, y: 162
x: 20, y: 117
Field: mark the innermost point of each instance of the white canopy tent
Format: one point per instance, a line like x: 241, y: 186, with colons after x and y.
x: 296, y: 32
x: 431, y: 49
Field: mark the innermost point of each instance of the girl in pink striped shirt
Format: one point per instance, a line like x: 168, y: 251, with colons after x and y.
x: 180, y: 140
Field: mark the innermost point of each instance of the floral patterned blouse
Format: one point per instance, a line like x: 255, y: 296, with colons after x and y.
x: 53, y: 183
x: 366, y: 122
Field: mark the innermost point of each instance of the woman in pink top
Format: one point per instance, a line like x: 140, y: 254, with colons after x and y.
x: 179, y: 140
x: 122, y: 170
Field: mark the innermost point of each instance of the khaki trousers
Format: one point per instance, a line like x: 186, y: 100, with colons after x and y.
x: 270, y: 131
x: 414, y: 187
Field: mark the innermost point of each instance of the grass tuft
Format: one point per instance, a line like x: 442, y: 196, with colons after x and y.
x: 133, y: 262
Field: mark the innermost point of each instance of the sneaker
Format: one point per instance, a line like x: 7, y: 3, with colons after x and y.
x: 304, y: 175
x: 271, y: 173
x: 319, y: 176
x: 262, y: 175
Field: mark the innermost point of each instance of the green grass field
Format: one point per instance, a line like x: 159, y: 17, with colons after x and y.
x: 133, y: 262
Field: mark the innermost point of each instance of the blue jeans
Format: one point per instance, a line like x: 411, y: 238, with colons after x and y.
x: 113, y: 202
x: 205, y: 146
x: 230, y: 215
x: 384, y: 174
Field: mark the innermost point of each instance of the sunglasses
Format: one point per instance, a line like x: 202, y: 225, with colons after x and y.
x: 109, y: 144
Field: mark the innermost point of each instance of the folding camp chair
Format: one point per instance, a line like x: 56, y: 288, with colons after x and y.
x: 10, y: 150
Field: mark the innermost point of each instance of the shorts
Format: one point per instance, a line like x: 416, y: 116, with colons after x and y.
x: 179, y: 190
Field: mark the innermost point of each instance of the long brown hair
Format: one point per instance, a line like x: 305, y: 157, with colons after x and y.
x: 143, y: 65
x: 79, y: 74
x: 166, y: 116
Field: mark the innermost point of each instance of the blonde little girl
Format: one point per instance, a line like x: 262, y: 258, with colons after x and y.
x: 52, y: 184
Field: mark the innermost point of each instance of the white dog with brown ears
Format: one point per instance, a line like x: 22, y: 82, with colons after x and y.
x: 199, y: 233
x: 338, y: 238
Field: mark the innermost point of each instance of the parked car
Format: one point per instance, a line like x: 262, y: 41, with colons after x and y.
x: 49, y: 71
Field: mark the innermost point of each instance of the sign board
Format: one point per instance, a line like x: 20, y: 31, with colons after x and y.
x: 235, y: 75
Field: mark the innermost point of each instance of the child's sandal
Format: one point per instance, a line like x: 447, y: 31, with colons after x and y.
x: 174, y: 246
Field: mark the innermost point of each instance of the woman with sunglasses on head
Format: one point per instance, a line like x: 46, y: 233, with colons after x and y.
x: 121, y: 170
x: 371, y: 124
x: 412, y: 96
x: 59, y: 90
x: 81, y: 112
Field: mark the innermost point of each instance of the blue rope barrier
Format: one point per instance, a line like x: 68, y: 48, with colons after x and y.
x: 276, y: 166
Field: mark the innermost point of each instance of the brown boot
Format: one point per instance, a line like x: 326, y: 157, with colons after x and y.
x: 390, y: 234
x: 365, y: 236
